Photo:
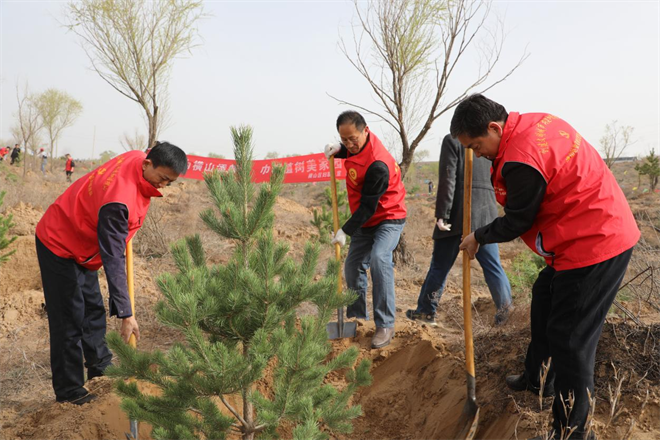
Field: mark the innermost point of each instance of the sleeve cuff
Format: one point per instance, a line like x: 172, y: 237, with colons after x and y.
x: 479, y: 235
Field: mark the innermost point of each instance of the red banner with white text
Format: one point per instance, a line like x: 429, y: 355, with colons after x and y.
x: 299, y: 169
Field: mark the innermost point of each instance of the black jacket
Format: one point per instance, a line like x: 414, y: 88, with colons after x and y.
x: 449, y: 200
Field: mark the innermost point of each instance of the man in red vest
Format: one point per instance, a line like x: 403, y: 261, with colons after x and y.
x: 562, y: 200
x: 87, y: 227
x: 69, y: 167
x: 376, y: 198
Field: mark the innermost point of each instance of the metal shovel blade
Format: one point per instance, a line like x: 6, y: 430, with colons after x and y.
x: 341, y: 329
x: 469, y: 420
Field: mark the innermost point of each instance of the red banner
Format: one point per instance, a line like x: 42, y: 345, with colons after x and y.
x: 299, y: 169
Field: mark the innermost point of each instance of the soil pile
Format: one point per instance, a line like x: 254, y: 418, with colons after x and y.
x: 419, y: 384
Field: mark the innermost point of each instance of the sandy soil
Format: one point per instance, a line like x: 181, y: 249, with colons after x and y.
x: 419, y: 387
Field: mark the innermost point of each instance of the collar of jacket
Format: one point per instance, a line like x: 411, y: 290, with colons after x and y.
x: 146, y: 188
x: 362, y: 157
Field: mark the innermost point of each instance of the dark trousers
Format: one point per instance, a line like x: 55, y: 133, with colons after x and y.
x: 76, y: 321
x: 567, y: 315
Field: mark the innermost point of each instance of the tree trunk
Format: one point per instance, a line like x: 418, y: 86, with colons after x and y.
x: 52, y: 154
x: 153, y: 128
x: 401, y: 255
x: 248, y: 409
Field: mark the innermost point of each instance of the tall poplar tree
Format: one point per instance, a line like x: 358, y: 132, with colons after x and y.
x: 238, y: 320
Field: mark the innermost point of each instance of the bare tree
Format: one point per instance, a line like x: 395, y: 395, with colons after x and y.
x: 615, y: 141
x: 58, y: 110
x: 28, y: 123
x: 135, y: 142
x: 132, y: 45
x: 408, y: 50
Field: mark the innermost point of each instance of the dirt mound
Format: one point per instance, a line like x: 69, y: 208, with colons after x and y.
x: 100, y: 419
x: 22, y: 271
x: 25, y: 218
x: 287, y: 205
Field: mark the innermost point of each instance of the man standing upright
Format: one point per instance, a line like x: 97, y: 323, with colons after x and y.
x: 44, y: 160
x: 69, y: 167
x: 87, y: 227
x: 15, y: 154
x: 446, y: 238
x: 562, y: 200
x: 378, y: 213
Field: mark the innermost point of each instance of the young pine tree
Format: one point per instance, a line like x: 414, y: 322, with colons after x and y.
x: 237, y: 320
x: 651, y: 168
x: 5, y: 224
x: 323, y: 219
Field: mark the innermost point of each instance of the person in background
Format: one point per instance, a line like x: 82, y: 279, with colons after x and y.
x: 87, y: 227
x: 562, y: 200
x: 44, y: 160
x: 3, y: 152
x: 446, y: 238
x: 69, y: 167
x: 378, y: 214
x: 15, y: 155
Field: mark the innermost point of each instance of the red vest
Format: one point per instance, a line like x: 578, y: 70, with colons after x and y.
x: 68, y: 228
x: 68, y: 164
x: 584, y: 218
x: 391, y: 205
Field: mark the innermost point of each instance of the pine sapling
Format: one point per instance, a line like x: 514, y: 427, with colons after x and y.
x: 6, y: 223
x: 246, y: 365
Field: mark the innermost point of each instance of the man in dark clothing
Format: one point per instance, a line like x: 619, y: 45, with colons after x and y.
x: 15, y: 154
x: 562, y: 200
x: 446, y: 238
x: 376, y: 198
x: 87, y: 227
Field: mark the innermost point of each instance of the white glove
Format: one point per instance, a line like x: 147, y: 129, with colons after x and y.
x: 339, y: 237
x: 331, y: 150
x: 443, y: 226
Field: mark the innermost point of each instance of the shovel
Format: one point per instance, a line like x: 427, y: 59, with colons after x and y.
x: 470, y: 416
x: 339, y: 329
x: 132, y: 341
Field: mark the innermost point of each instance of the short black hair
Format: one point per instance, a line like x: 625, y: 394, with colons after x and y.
x: 164, y: 154
x: 351, y: 117
x: 473, y: 115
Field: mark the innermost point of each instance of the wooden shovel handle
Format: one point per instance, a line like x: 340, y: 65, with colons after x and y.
x: 335, y: 216
x: 131, y: 285
x: 467, y: 229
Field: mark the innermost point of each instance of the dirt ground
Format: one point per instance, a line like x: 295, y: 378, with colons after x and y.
x: 418, y: 388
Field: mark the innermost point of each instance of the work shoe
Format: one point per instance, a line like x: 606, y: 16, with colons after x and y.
x: 426, y: 318
x: 81, y: 400
x: 503, y: 314
x: 382, y: 337
x: 520, y: 382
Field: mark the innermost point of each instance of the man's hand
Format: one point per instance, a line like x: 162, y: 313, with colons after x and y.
x: 471, y: 245
x: 339, y: 237
x: 443, y: 226
x: 331, y: 150
x: 129, y: 326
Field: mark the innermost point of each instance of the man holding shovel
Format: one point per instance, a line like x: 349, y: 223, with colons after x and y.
x: 87, y: 227
x: 448, y: 230
x: 376, y: 198
x: 561, y: 199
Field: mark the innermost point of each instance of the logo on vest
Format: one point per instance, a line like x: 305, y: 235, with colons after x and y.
x: 499, y: 191
x: 352, y: 174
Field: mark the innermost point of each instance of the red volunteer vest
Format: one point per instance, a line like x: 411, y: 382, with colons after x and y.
x: 584, y: 218
x: 391, y: 205
x: 68, y: 164
x: 68, y: 228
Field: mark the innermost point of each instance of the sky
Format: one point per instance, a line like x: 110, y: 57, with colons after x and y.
x: 273, y: 65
